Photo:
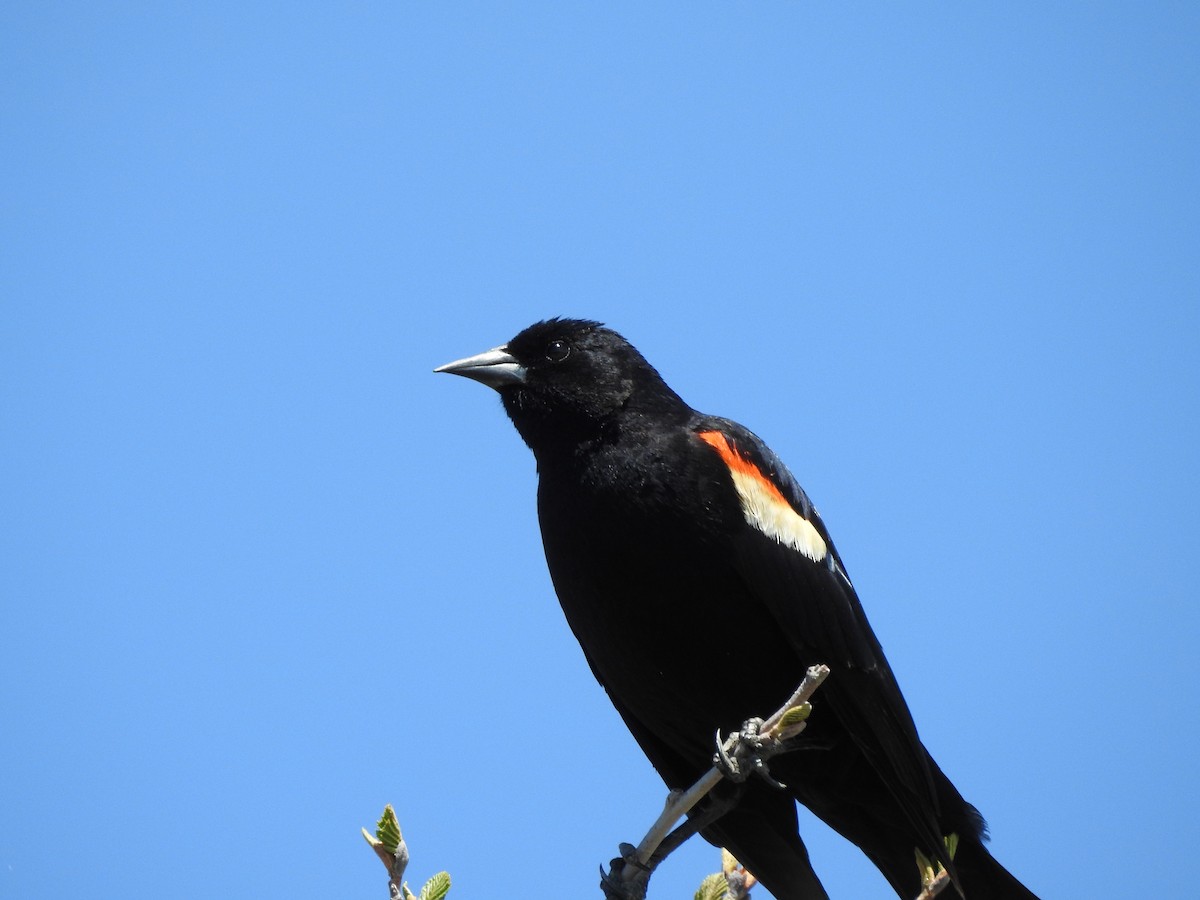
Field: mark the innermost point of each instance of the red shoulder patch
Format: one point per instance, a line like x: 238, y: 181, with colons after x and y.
x: 739, y: 464
x: 763, y: 504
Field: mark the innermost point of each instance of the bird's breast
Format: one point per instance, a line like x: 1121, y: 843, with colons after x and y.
x: 650, y: 588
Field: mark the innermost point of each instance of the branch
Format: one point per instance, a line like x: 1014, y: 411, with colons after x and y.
x: 679, y: 805
x: 629, y: 880
x: 630, y: 874
x: 935, y: 886
x: 737, y: 880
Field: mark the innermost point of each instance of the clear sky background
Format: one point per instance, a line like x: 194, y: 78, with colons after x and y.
x: 262, y: 571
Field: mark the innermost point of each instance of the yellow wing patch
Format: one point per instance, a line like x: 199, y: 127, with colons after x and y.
x: 764, y: 505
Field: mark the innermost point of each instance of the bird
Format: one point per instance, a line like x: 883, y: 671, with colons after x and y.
x: 700, y: 582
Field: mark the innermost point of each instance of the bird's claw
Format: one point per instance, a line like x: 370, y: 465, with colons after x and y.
x: 626, y: 876
x: 747, y: 752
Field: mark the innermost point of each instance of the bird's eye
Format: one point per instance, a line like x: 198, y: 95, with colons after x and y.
x: 557, y: 351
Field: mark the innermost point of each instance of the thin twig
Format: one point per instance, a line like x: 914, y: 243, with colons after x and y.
x: 680, y: 804
x: 631, y: 874
x: 935, y: 887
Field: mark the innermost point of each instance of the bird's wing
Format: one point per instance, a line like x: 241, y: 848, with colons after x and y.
x: 789, y: 563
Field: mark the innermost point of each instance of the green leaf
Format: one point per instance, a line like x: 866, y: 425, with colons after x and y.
x: 925, y: 866
x: 387, y: 830
x: 952, y: 844
x: 714, y: 887
x: 729, y: 862
x: 436, y: 887
x: 795, y: 715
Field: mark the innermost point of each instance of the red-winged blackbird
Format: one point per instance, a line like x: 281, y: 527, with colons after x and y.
x: 701, y: 583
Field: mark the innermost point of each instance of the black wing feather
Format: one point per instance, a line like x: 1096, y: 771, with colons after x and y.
x: 817, y: 607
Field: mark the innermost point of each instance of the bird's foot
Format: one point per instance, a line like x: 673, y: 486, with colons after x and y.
x: 626, y: 877
x: 747, y: 752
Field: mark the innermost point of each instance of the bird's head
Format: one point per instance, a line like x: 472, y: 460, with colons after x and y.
x: 563, y: 381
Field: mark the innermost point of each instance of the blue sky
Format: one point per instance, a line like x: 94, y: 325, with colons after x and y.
x: 262, y: 571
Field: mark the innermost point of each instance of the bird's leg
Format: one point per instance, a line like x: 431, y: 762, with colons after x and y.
x: 748, y: 752
x: 628, y: 876
x: 717, y: 804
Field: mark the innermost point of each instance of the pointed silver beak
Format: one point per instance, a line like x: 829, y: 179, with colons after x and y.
x: 496, y: 368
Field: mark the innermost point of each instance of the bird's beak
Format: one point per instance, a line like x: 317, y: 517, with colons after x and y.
x: 496, y: 368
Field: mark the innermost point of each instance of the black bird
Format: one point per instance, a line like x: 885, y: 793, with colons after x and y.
x: 701, y: 583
